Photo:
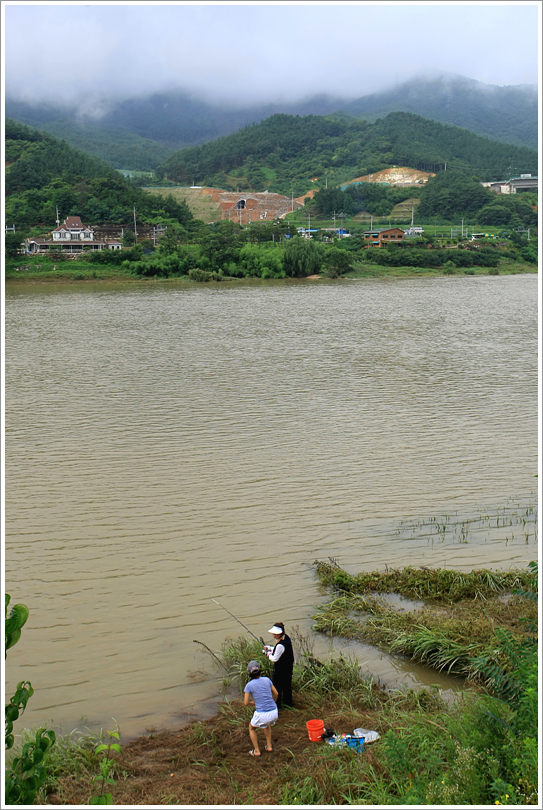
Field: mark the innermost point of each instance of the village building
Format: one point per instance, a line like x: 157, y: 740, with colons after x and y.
x: 524, y: 182
x: 70, y: 237
x: 384, y: 236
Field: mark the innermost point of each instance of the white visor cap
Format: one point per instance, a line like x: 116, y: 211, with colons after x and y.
x: 275, y: 631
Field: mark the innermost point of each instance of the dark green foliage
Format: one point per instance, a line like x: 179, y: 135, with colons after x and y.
x: 222, y: 244
x: 508, y: 210
x: 12, y: 243
x: 18, y: 616
x: 378, y: 199
x: 164, y: 265
x: 302, y: 257
x: 337, y: 262
x: 394, y: 256
x: 27, y: 772
x: 264, y: 261
x: 43, y: 157
x: 451, y: 193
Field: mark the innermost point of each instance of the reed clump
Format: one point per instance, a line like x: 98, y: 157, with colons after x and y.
x: 450, y: 633
x: 431, y: 585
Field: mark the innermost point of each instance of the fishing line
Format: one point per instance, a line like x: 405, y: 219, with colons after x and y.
x: 260, y: 640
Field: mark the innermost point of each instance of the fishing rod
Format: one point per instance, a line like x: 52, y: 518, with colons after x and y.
x: 260, y: 640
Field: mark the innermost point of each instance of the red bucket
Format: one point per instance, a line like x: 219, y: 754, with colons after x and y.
x: 315, y: 729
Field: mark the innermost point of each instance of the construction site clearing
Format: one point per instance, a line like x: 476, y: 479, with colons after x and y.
x: 244, y: 207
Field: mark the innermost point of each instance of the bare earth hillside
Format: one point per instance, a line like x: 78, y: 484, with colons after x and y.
x: 397, y: 176
x: 214, y: 204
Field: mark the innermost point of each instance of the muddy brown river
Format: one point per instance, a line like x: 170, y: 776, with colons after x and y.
x: 171, y: 444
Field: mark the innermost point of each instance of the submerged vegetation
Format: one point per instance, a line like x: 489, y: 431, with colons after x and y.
x: 513, y: 521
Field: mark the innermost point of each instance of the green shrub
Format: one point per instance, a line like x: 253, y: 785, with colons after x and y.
x: 302, y: 257
x: 25, y: 773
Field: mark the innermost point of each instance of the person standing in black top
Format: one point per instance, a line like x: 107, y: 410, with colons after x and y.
x: 282, y: 657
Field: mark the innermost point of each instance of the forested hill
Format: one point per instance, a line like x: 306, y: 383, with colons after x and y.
x: 43, y: 172
x: 33, y: 158
x: 507, y: 114
x: 284, y: 153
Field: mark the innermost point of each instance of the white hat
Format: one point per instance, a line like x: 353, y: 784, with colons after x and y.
x: 276, y: 631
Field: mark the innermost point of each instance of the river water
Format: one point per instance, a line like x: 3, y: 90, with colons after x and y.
x: 171, y: 444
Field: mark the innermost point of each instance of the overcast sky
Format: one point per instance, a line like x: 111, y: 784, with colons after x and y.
x: 247, y: 52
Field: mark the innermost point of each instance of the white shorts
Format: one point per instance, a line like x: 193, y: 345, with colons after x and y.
x: 264, y: 719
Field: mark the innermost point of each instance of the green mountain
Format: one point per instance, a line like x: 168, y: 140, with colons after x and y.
x: 286, y: 153
x: 140, y: 133
x: 507, y: 114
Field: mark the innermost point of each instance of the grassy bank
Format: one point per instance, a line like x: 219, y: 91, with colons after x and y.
x: 37, y: 269
x: 505, y: 268
x: 480, y: 750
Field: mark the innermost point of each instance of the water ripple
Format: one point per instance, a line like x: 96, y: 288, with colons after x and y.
x: 166, y: 446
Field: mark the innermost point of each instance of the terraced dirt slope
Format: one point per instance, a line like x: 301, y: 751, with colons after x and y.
x: 214, y: 204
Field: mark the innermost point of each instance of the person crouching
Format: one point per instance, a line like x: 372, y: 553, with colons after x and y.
x: 264, y: 695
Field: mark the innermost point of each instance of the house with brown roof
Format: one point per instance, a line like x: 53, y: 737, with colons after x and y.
x: 70, y: 237
x: 381, y: 237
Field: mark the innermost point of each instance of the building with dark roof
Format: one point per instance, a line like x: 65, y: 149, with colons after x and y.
x: 70, y: 237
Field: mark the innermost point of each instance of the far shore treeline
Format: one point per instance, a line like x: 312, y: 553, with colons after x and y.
x: 290, y: 155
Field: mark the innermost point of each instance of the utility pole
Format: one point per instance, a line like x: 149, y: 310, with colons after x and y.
x: 135, y: 229
x: 292, y: 195
x: 58, y: 220
x: 341, y: 231
x: 309, y: 228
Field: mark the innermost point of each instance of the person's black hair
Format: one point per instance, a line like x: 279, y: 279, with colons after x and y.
x: 281, y: 625
x: 254, y: 675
